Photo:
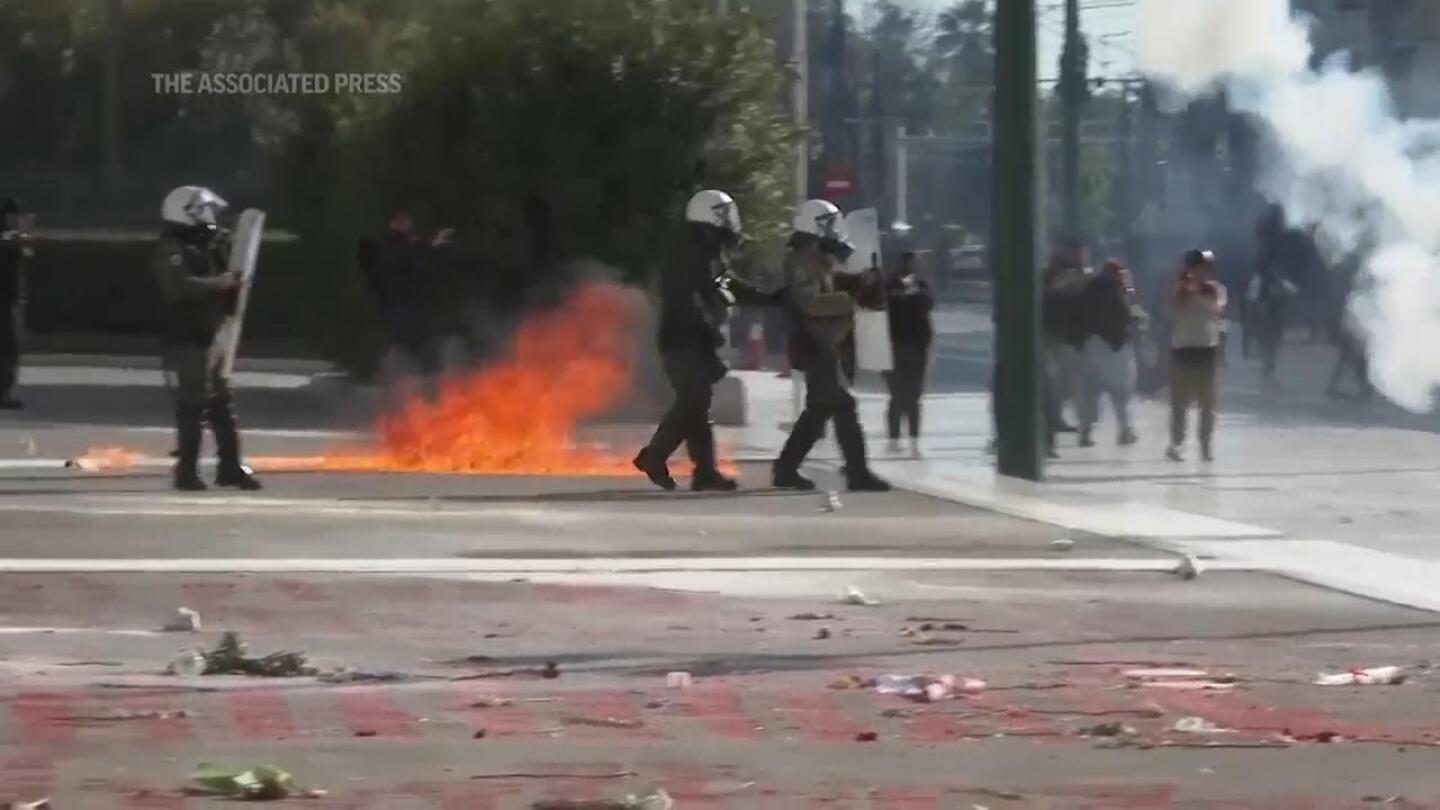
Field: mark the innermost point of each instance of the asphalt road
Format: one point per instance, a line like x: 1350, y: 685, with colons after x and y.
x: 465, y: 587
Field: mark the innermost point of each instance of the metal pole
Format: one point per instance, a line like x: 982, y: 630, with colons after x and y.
x: 800, y: 56
x: 1015, y: 243
x: 902, y: 180
x: 1072, y: 96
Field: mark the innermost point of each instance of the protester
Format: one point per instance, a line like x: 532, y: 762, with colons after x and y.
x: 1351, y: 352
x: 1110, y: 309
x: 396, y: 266
x: 1065, y: 328
x: 15, y: 249
x: 198, y: 293
x: 1198, y: 313
x: 1268, y: 299
x: 823, y: 315
x: 909, y: 302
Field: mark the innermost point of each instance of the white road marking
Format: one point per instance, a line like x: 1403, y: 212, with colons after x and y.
x: 68, y: 631
x: 582, y: 565
x: 1392, y: 578
x: 1101, y: 516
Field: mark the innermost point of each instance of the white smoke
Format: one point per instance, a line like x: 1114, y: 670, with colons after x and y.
x: 1345, y: 162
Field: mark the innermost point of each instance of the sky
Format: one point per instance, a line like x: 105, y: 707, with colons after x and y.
x: 1107, y: 23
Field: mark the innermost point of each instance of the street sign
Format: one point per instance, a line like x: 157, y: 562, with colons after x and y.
x: 839, y: 180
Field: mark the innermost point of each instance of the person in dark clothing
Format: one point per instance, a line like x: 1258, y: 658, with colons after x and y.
x: 15, y: 249
x: 395, y: 266
x: 1352, y: 354
x: 822, y: 315
x: 1112, y: 315
x: 1268, y: 297
x: 198, y: 294
x: 696, y: 293
x: 910, y: 303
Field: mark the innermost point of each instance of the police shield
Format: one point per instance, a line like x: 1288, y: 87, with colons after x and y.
x: 244, y: 253
x: 872, y: 326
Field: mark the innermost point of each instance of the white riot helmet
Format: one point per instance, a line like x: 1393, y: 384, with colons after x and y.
x: 820, y: 219
x: 715, y: 208
x: 191, y: 206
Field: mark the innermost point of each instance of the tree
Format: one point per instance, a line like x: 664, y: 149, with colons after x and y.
x: 963, y: 56
x: 545, y: 132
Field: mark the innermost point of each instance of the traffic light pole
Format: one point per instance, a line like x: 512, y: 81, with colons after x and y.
x: 1015, y: 244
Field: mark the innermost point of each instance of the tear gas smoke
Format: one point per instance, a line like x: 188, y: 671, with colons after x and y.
x: 1343, y: 160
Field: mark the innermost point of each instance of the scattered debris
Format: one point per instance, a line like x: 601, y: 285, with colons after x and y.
x: 809, y: 617
x: 260, y: 783
x: 679, y: 680
x: 362, y: 676
x: 90, y: 664
x: 991, y: 793
x: 1109, y: 730
x: 28, y: 446
x: 1317, y: 736
x: 935, y: 620
x: 533, y: 775
x: 189, y: 663
x: 184, y: 621
x: 1063, y: 544
x: 229, y: 658
x: 849, y: 683
x: 867, y: 736
x: 831, y: 503
x: 551, y: 671
x: 1160, y: 673
x: 367, y: 732
x: 1185, y: 680
x: 854, y: 596
x: 937, y: 642
x: 1189, y: 568
x: 39, y: 804
x: 895, y: 714
x: 655, y: 800
x: 120, y: 715
x: 479, y: 734
x: 601, y: 722
x: 822, y: 634
x: 1197, y: 725
x: 928, y: 688
x: 500, y: 703
x: 1374, y: 676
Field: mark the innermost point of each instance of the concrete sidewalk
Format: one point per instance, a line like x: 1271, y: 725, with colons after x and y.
x: 1315, y: 498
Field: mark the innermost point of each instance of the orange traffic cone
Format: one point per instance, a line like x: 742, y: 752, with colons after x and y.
x: 755, y: 349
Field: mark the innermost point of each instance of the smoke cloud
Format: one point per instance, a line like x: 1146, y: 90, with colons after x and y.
x: 1343, y: 161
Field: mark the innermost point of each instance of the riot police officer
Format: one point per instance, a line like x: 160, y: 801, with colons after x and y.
x: 821, y: 305
x: 697, y: 290
x: 198, y: 293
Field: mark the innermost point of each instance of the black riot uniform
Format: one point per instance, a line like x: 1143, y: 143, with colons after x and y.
x: 821, y: 306
x: 197, y: 295
x: 14, y: 250
x: 696, y: 293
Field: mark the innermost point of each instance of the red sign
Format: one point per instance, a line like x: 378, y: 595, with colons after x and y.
x: 839, y: 180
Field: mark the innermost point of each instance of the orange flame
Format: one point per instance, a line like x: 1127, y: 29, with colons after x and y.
x: 519, y: 417
x: 108, y: 457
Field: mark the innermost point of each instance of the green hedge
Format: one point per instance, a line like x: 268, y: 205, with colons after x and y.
x: 106, y: 287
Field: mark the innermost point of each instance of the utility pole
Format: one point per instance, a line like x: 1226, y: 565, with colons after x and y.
x: 1125, y: 189
x: 800, y: 56
x: 1072, y: 97
x: 1014, y: 253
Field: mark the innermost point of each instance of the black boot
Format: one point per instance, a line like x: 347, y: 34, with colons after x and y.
x: 789, y: 478
x: 227, y: 445
x: 654, y: 469
x: 187, y: 429
x: 708, y: 477
x: 851, y: 437
x: 807, y: 431
x: 865, y: 481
